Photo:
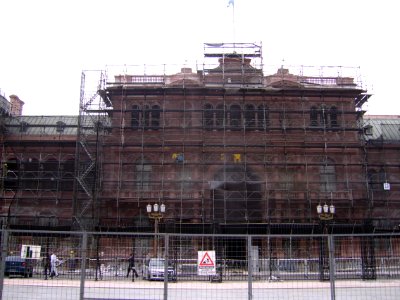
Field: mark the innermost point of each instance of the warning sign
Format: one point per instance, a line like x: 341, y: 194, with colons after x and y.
x: 206, y: 263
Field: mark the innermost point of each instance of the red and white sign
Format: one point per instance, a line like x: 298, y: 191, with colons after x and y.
x: 206, y: 263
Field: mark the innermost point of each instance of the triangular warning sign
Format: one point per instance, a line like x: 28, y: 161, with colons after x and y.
x: 206, y: 261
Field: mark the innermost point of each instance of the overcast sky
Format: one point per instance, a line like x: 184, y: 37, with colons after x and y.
x: 47, y: 43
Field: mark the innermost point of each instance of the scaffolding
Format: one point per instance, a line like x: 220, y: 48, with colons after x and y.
x: 224, y: 143
x: 229, y: 145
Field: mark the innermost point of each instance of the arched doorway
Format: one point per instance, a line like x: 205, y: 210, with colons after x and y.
x: 236, y: 194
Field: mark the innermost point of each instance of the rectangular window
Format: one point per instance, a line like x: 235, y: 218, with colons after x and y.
x: 328, y: 179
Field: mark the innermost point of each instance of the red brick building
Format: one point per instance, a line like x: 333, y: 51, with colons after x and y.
x: 229, y: 147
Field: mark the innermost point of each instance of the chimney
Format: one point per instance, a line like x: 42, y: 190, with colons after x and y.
x: 16, y: 106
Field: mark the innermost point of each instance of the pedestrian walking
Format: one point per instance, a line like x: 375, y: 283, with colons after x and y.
x: 53, y: 265
x: 131, y: 267
x: 46, y: 266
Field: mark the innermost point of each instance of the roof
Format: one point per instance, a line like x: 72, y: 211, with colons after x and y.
x: 42, y: 125
x: 383, y: 128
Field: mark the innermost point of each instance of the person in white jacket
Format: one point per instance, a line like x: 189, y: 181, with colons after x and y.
x: 53, y: 264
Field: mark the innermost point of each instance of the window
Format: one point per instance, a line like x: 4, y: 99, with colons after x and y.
x: 31, y: 169
x: 143, y: 174
x: 220, y: 116
x: 262, y: 117
x: 284, y: 120
x: 185, y: 179
x: 377, y: 180
x: 60, y: 126
x: 374, y: 183
x: 147, y: 117
x: 382, y: 178
x: 287, y: 181
x: 11, y: 174
x: 333, y: 117
x: 48, y: 181
x: 67, y: 175
x: 135, y: 116
x: 23, y: 126
x: 250, y: 117
x: 328, y: 176
x: 235, y: 117
x: 208, y: 117
x: 369, y: 130
x: 155, y: 117
x: 323, y: 115
x: 313, y: 117
x: 49, y: 174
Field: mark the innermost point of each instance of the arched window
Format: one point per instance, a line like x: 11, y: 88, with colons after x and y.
x: 135, y: 116
x: 333, y: 117
x: 313, y: 117
x: 155, y: 117
x: 11, y: 173
x: 220, y: 116
x: 262, y: 117
x: 208, y: 117
x: 48, y: 181
x: 143, y: 175
x: 30, y: 178
x: 235, y: 117
x: 323, y: 115
x: 250, y: 117
x: 49, y: 174
x: 146, y: 116
x: 373, y: 180
x: 327, y: 176
x: 67, y: 175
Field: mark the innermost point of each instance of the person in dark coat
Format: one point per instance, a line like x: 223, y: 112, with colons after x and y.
x: 131, y: 267
x: 46, y: 265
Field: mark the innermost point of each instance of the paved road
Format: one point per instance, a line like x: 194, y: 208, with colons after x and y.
x: 61, y: 289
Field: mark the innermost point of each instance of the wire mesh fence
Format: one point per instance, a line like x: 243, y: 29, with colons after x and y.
x: 94, y: 265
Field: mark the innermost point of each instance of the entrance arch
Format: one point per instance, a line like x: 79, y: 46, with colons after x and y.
x: 236, y: 195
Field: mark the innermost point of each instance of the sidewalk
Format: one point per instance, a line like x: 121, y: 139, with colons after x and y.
x: 307, y: 284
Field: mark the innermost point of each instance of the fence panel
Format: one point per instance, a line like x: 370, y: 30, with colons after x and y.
x: 94, y: 265
x: 27, y: 266
x: 367, y: 267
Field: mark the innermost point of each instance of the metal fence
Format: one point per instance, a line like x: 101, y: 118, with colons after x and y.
x: 94, y: 265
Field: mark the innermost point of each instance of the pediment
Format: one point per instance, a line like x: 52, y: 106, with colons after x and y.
x: 285, y: 83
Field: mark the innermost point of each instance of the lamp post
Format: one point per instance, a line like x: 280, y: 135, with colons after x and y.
x: 155, y: 212
x: 325, y: 215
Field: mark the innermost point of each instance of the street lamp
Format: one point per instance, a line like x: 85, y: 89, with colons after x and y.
x: 325, y: 214
x: 155, y: 212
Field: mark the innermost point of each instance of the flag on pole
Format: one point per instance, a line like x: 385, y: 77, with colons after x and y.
x: 231, y: 2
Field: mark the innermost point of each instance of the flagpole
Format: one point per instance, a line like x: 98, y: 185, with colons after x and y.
x: 232, y: 2
x: 233, y: 23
